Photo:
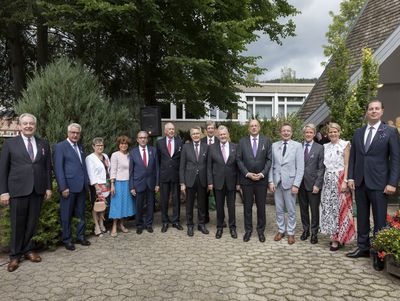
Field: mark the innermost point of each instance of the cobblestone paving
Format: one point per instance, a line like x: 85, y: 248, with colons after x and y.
x: 173, y: 266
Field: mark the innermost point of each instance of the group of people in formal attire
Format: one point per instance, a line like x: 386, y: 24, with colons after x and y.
x: 322, y: 177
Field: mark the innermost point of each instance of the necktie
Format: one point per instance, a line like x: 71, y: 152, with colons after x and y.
x: 30, y: 149
x: 254, y: 147
x: 306, y: 151
x: 196, y: 148
x: 144, y: 157
x: 169, y: 147
x: 77, y: 151
x: 210, y: 141
x: 223, y: 152
x: 284, y: 149
x: 369, y: 138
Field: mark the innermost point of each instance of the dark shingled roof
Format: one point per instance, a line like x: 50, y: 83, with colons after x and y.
x: 377, y: 21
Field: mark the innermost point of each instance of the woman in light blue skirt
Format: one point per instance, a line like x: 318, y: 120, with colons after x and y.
x: 122, y: 204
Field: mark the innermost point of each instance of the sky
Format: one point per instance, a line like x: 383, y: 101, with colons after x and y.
x: 303, y: 53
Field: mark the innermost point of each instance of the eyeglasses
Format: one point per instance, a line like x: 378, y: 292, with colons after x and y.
x: 142, y: 137
x: 99, y: 145
x: 74, y: 133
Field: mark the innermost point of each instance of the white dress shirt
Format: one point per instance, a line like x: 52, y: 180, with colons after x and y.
x: 33, y: 142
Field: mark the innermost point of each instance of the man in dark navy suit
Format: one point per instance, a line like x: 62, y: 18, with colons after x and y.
x: 25, y: 180
x: 222, y: 176
x: 72, y: 179
x: 169, y: 155
x: 143, y: 180
x: 373, y: 173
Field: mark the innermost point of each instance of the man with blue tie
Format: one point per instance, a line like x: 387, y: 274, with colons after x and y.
x: 143, y: 180
x: 254, y: 162
x: 374, y: 169
x: 25, y: 180
x: 73, y: 181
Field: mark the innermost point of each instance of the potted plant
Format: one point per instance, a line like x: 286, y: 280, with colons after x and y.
x: 387, y: 244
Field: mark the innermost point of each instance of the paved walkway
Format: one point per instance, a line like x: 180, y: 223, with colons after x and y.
x: 172, y: 266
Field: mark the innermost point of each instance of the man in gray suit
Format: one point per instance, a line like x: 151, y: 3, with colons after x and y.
x: 193, y: 179
x: 284, y: 180
x: 310, y: 188
x: 254, y: 162
x: 222, y: 177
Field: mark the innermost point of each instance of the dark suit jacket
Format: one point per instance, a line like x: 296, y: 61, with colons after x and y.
x: 70, y: 172
x: 314, y: 167
x: 140, y: 176
x: 169, y: 166
x: 247, y: 163
x: 219, y: 172
x: 19, y: 176
x: 380, y: 166
x: 205, y: 140
x: 189, y: 167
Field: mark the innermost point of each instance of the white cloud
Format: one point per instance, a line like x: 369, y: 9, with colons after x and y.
x: 304, y: 52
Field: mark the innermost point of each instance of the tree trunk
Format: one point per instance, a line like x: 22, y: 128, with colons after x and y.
x: 151, y: 76
x: 42, y: 43
x: 16, y: 54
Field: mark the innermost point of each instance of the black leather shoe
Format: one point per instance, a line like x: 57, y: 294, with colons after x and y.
x: 177, y: 226
x: 358, y: 253
x: 233, y: 233
x: 139, y: 230
x: 246, y: 236
x: 203, y: 229
x: 218, y: 235
x: 164, y: 228
x: 304, y: 235
x: 83, y: 242
x: 261, y: 237
x: 314, y: 239
x: 69, y: 246
x: 190, y: 231
x: 377, y: 263
x: 150, y: 229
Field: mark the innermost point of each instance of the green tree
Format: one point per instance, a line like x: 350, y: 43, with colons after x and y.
x: 288, y: 75
x: 189, y: 51
x: 66, y: 92
x: 365, y: 90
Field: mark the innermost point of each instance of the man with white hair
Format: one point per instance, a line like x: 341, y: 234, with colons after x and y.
x: 25, y: 180
x: 73, y: 181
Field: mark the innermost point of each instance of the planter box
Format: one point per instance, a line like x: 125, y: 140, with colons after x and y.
x: 392, y: 267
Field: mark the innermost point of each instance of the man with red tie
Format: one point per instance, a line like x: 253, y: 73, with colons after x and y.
x: 143, y: 180
x: 25, y: 180
x: 169, y: 155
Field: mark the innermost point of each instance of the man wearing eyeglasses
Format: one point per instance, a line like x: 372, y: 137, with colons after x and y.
x: 72, y: 179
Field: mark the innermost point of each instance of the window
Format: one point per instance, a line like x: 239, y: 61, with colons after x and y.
x: 223, y: 115
x: 179, y: 111
x: 264, y: 111
x: 281, y: 110
x: 213, y: 113
x: 292, y: 109
x: 263, y: 98
x: 165, y: 110
x: 250, y: 114
x: 291, y: 99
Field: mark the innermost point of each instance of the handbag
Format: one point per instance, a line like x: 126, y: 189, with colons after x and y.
x: 211, y: 201
x: 100, y: 204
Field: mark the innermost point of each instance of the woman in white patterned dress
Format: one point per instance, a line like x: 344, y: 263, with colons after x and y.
x: 336, y: 201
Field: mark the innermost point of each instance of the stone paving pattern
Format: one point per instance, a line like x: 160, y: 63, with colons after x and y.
x: 173, y: 266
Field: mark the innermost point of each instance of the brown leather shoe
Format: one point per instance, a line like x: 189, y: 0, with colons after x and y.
x: 290, y: 239
x: 32, y: 256
x: 13, y: 265
x: 279, y: 236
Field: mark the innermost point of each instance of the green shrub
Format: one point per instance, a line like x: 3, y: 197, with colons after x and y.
x: 66, y: 92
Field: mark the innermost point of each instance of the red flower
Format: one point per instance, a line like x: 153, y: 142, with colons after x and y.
x: 381, y: 255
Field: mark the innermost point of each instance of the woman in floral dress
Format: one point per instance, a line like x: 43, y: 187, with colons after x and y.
x: 336, y: 201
